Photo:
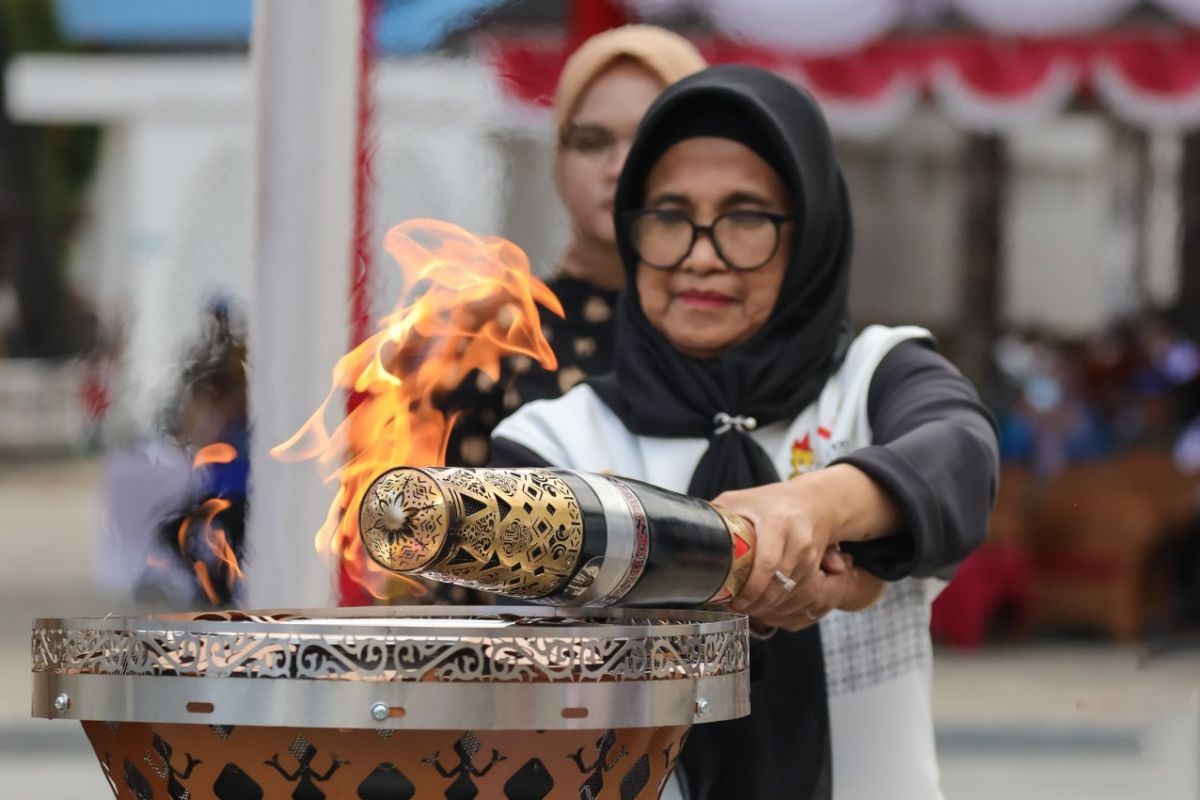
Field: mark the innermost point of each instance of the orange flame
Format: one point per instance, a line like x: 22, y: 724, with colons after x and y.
x: 212, y: 540
x: 218, y: 453
x: 469, y: 301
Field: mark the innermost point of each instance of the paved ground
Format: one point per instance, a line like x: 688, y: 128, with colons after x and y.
x: 1069, y: 722
x: 1044, y: 722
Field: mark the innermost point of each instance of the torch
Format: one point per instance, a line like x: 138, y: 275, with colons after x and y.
x: 556, y: 536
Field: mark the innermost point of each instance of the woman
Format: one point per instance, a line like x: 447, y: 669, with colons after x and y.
x: 865, y: 463
x: 603, y: 92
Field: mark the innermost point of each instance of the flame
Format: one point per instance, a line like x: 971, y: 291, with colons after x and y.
x: 206, y: 582
x: 469, y: 301
x: 214, y: 543
x: 218, y: 453
x: 202, y: 540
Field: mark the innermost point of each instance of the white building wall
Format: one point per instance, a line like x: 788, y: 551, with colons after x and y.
x: 168, y: 226
x: 906, y: 193
x: 1071, y: 254
x: 1164, y: 234
x: 1058, y: 231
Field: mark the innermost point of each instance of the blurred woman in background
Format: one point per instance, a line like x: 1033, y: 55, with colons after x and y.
x: 605, y: 88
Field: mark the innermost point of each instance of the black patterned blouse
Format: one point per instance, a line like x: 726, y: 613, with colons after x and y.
x: 583, y: 344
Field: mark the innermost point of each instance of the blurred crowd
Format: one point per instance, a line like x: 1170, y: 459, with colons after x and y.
x: 1096, y: 528
x: 1071, y: 400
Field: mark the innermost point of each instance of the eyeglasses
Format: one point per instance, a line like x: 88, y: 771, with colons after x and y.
x: 744, y: 240
x: 593, y: 141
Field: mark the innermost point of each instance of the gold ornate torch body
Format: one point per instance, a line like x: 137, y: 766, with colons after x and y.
x: 556, y: 536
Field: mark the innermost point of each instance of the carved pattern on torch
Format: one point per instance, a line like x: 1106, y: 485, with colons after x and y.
x: 516, y: 533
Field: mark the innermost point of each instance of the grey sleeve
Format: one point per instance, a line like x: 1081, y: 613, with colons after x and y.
x: 936, y: 452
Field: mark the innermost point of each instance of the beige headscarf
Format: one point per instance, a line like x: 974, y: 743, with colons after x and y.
x: 668, y: 55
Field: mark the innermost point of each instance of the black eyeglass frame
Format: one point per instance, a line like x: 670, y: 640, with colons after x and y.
x: 630, y: 218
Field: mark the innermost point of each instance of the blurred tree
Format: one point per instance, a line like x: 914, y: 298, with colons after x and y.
x: 42, y: 172
x: 1189, y: 186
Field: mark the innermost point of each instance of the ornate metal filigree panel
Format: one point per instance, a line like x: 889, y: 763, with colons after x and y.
x: 543, y: 649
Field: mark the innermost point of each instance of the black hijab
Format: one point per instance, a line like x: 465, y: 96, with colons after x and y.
x: 774, y: 375
x: 783, y: 748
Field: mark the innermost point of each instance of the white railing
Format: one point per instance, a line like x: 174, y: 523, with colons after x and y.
x: 40, y: 405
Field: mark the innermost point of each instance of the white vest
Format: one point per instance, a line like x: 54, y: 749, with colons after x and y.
x: 878, y: 662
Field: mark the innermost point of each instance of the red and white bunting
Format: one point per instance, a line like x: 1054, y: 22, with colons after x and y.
x: 814, y: 26
x: 838, y: 25
x: 1151, y: 80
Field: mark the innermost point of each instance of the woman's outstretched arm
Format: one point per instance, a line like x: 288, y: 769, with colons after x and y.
x: 914, y: 502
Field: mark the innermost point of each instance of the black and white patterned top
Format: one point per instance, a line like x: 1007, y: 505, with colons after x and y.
x: 583, y: 343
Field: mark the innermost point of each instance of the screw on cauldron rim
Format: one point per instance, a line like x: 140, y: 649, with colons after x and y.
x: 379, y: 712
x: 703, y: 707
x: 62, y: 702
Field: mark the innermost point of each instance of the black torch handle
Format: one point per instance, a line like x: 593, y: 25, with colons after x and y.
x: 644, y: 546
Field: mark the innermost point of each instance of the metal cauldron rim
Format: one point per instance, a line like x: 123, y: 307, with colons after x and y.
x: 492, y: 667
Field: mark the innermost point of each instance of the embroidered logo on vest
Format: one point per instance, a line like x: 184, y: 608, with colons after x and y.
x: 802, y: 456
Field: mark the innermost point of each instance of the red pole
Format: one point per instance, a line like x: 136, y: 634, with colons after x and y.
x: 350, y: 591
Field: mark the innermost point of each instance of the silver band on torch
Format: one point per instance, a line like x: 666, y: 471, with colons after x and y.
x: 628, y: 541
